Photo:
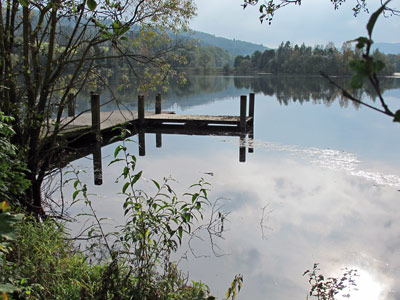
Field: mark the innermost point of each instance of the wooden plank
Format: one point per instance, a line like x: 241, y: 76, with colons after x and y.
x: 81, y: 125
x: 202, y: 131
x: 171, y: 118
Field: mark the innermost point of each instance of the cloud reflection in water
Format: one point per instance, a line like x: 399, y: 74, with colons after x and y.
x: 325, y: 209
x: 322, y: 207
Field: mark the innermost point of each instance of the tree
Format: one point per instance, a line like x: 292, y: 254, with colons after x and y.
x: 206, y: 62
x: 50, y: 49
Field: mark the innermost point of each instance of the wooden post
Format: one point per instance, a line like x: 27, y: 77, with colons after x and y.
x: 251, y: 107
x: 142, y: 143
x: 251, y: 142
x: 71, y: 105
x: 242, y: 148
x: 243, y: 100
x: 158, y: 104
x: 97, y: 164
x: 158, y: 140
x: 141, y: 108
x: 95, y: 107
x: 251, y: 114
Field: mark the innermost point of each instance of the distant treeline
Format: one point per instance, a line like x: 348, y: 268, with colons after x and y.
x: 295, y: 59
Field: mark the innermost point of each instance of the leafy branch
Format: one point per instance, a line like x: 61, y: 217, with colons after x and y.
x: 367, y: 68
x: 327, y: 288
x: 268, y: 8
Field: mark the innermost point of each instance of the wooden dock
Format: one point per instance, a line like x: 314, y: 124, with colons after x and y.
x: 101, y: 124
x: 87, y: 132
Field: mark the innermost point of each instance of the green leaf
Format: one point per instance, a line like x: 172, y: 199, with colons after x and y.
x: 194, y: 197
x: 125, y: 172
x: 136, y: 178
x: 7, y: 222
x: 125, y: 187
x: 75, y: 194
x: 24, y: 3
x: 156, y: 184
x: 374, y: 17
x: 180, y: 231
x: 117, y: 150
x: 116, y: 25
x: 361, y: 41
x: 379, y: 65
x: 92, y: 4
x: 397, y: 116
x: 357, y: 81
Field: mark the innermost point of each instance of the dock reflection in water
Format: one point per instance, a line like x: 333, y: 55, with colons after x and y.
x: 158, y: 123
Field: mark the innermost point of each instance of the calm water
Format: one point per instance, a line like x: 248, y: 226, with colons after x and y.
x: 326, y: 172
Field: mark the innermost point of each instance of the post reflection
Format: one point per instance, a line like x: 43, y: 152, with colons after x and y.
x: 97, y: 164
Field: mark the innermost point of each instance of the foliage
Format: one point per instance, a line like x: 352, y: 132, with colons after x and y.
x: 203, y: 59
x: 44, y: 264
x: 327, y: 288
x: 295, y: 59
x: 12, y: 177
x: 50, y: 51
x: 155, y: 227
x: 367, y: 68
x: 235, y: 287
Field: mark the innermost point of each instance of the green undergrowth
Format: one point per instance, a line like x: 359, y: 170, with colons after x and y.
x: 44, y: 264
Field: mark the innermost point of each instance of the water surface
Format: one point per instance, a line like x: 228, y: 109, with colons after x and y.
x: 321, y: 186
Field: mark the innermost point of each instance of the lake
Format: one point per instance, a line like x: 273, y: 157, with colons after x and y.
x: 322, y: 185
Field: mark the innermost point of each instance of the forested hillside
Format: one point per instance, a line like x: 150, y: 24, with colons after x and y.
x: 387, y: 48
x: 234, y: 47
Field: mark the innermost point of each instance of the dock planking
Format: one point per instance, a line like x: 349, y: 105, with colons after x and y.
x: 87, y: 132
x: 82, y: 124
x: 193, y: 120
x: 97, y: 124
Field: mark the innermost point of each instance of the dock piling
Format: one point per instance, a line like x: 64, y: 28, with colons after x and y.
x: 158, y: 104
x: 97, y: 164
x: 251, y: 142
x: 243, y: 100
x: 251, y: 114
x: 141, y: 108
x: 242, y: 148
x: 251, y: 107
x: 142, y: 143
x: 95, y: 107
x: 158, y: 140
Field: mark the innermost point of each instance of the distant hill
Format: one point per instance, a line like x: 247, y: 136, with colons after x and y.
x: 234, y: 47
x: 387, y: 48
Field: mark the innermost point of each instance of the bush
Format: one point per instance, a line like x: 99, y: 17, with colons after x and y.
x: 44, y: 264
x: 12, y: 170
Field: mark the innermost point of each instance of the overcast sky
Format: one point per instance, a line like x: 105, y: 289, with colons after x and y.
x: 314, y: 22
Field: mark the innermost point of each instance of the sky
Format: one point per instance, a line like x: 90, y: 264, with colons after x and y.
x: 315, y: 22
